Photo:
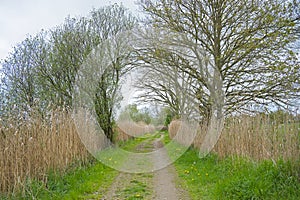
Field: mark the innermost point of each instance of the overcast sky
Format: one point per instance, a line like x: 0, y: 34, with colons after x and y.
x: 18, y: 18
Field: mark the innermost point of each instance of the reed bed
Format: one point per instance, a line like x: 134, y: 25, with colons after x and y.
x: 258, y: 137
x: 128, y: 129
x: 120, y: 135
x: 30, y: 148
x: 173, y: 128
x: 182, y: 132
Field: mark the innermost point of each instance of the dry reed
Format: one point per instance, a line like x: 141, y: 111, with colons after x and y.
x: 29, y: 149
x: 260, y: 138
x: 120, y: 135
x: 133, y: 129
x: 257, y: 137
x: 173, y: 128
x: 182, y: 132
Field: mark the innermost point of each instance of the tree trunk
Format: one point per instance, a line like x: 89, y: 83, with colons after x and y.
x: 216, y: 117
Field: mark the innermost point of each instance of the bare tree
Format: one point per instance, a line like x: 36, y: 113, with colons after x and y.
x: 238, y: 50
x: 161, y: 80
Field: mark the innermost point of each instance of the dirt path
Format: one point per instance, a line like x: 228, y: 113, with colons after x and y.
x: 159, y: 185
x: 165, y: 179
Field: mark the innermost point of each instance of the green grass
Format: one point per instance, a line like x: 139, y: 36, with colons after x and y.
x: 116, y: 157
x: 147, y: 139
x: 80, y: 183
x: 236, y: 177
x: 140, y: 187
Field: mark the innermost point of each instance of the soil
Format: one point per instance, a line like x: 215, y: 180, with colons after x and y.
x: 165, y: 187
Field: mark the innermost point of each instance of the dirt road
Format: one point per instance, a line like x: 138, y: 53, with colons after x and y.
x: 159, y: 185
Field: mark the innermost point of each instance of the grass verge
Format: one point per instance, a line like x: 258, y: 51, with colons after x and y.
x: 78, y: 183
x: 237, y: 177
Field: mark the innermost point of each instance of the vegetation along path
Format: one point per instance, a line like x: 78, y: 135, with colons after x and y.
x: 209, y: 178
x: 160, y: 184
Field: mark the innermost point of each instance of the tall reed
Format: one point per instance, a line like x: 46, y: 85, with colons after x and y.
x: 128, y: 129
x: 258, y: 137
x: 30, y: 148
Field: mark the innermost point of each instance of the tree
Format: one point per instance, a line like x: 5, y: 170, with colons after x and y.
x: 19, y: 69
x: 131, y: 112
x: 237, y: 50
x: 100, y: 75
x: 161, y: 81
x: 43, y: 69
x: 69, y: 45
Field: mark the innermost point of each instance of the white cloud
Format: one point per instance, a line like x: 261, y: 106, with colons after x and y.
x: 19, y: 18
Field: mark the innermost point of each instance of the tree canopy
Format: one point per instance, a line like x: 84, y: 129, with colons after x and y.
x: 239, y: 51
